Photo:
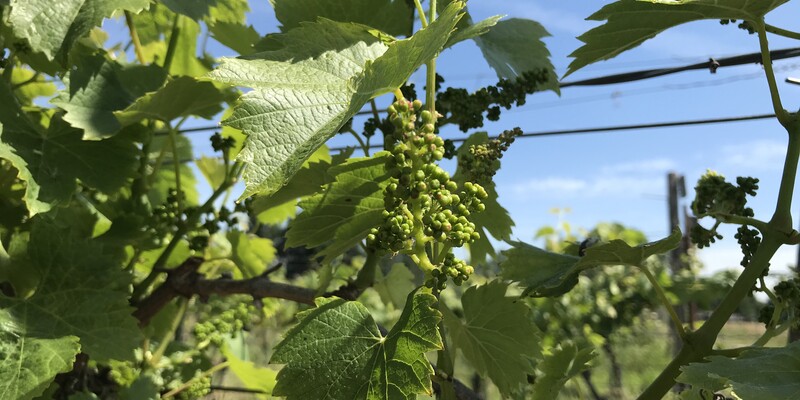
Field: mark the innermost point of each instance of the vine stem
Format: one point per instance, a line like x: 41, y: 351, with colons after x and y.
x: 137, y: 45
x: 780, y: 112
x: 699, y: 344
x: 430, y: 88
x: 189, y: 383
x: 421, y: 12
x: 782, y: 32
x: 165, y: 341
x: 361, y: 143
x: 176, y: 163
x: 663, y: 297
x: 173, y: 42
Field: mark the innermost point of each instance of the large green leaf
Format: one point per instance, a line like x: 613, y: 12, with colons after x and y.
x: 557, y: 368
x: 394, y: 17
x: 514, y: 46
x: 630, y: 22
x: 546, y: 273
x: 251, y: 376
x: 344, y: 213
x: 304, y: 91
x: 183, y: 96
x: 341, y: 347
x: 52, y: 27
x: 98, y: 87
x: 51, y: 160
x: 82, y: 296
x: 251, y: 254
x: 496, y: 335
x: 763, y: 374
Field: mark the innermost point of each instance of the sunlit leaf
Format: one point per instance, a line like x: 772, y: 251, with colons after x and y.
x: 341, y: 347
x: 631, y: 22
x: 304, y: 91
x: 496, y: 335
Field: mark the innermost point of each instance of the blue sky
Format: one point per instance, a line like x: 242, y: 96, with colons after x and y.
x: 621, y: 176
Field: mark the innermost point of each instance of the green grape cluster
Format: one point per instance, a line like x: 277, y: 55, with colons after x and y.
x: 219, y: 143
x: 749, y: 240
x: 425, y: 211
x: 458, y: 270
x: 788, y: 293
x: 199, y: 388
x: 716, y: 196
x: 482, y: 161
x: 744, y: 25
x: 467, y: 109
x: 227, y: 323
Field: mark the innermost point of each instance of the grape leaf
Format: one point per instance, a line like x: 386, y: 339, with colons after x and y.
x: 550, y: 274
x: 50, y: 160
x: 81, y: 297
x: 631, y: 22
x: 618, y: 252
x: 539, y: 270
x: 213, y: 169
x: 52, y: 27
x: 341, y: 347
x: 345, y: 212
x: 28, y: 363
x: 496, y: 336
x: 566, y: 361
x: 183, y: 96
x: 395, y: 286
x: 307, y: 181
x: 194, y: 9
x: 304, y: 92
x: 35, y: 85
x: 250, y: 253
x: 394, y: 17
x: 251, y: 376
x: 164, y: 179
x: 237, y: 37
x: 98, y: 87
x: 514, y: 46
x: 764, y: 374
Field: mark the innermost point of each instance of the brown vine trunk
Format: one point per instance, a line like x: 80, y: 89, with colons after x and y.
x: 587, y: 378
x: 615, y: 376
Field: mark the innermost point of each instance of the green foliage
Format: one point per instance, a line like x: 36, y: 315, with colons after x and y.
x: 352, y: 359
x: 558, y: 367
x: 52, y: 28
x: 390, y: 16
x: 40, y: 335
x: 496, y: 335
x: 108, y: 248
x: 345, y: 212
x: 549, y: 274
x: 325, y: 92
x: 630, y: 22
x: 766, y: 373
x: 98, y: 87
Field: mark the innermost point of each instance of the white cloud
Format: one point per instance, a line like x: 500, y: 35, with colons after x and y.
x: 622, y: 179
x: 761, y: 154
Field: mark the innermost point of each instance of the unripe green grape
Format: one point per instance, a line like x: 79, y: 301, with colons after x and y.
x: 426, y: 117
